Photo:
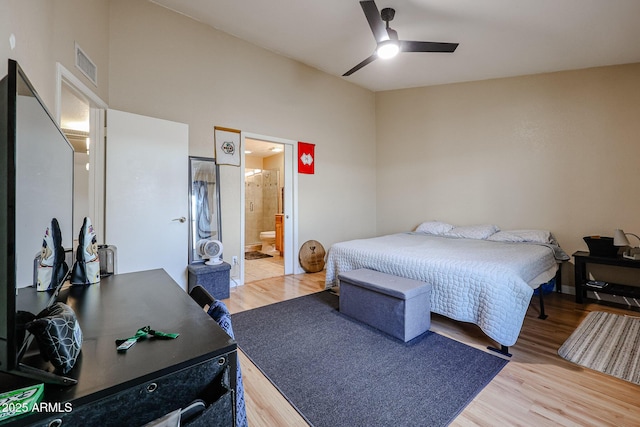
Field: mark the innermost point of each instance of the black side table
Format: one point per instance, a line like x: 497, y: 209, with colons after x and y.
x: 214, y: 278
x: 584, y: 258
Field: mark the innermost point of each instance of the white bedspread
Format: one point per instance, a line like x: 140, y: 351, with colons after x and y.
x: 483, y: 282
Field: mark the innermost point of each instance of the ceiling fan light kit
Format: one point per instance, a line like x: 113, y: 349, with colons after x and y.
x: 388, y: 49
x: 388, y: 44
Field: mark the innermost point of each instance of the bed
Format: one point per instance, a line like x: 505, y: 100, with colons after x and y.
x: 478, y: 274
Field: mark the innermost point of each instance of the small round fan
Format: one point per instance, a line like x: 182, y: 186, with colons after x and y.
x: 210, y: 250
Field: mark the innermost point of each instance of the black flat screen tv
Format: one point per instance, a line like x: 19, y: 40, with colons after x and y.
x: 36, y: 185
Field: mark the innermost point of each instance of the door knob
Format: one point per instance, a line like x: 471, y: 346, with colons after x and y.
x: 181, y: 219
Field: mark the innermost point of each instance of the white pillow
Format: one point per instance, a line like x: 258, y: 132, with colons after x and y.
x: 473, y: 231
x: 535, y: 236
x: 434, y: 227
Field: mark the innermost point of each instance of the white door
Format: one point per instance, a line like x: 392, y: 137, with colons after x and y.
x: 289, y: 235
x: 146, y: 195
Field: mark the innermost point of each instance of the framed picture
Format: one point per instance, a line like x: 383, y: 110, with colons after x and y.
x: 227, y: 142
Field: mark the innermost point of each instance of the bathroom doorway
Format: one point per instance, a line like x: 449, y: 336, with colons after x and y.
x: 264, y: 196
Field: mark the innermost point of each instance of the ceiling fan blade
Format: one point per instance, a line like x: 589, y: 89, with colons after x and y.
x: 360, y: 65
x: 375, y: 21
x: 411, y: 46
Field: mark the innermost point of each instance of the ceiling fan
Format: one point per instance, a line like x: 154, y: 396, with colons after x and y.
x: 387, y: 38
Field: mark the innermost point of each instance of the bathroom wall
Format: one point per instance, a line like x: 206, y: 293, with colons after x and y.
x: 261, y: 203
x: 270, y: 185
x: 252, y: 206
x: 277, y: 162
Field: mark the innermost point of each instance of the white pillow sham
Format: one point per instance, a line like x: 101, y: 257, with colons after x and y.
x: 434, y: 227
x: 534, y: 236
x: 481, y: 232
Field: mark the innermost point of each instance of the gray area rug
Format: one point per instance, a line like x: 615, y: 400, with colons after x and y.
x: 608, y: 343
x: 339, y: 372
x: 250, y: 255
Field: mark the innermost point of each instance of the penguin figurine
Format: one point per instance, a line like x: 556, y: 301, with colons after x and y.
x: 86, y: 269
x: 52, y: 268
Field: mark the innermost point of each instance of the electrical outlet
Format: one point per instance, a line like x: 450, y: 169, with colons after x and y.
x: 235, y: 260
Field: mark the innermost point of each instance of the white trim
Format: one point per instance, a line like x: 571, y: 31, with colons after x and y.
x: 241, y: 245
x: 63, y: 74
x: 97, y: 172
x: 97, y: 135
x: 290, y: 213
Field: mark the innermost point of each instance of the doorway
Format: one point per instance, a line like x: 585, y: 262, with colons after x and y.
x: 268, y: 231
x: 263, y: 209
x: 80, y: 113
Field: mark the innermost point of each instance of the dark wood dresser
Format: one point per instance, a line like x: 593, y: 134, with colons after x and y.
x: 154, y: 377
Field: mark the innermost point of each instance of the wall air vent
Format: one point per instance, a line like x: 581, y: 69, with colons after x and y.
x: 86, y: 65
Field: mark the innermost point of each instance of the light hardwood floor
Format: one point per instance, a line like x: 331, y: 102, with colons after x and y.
x: 536, y: 388
x: 258, y: 269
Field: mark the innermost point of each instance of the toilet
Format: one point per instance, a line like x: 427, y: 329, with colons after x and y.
x: 268, y: 239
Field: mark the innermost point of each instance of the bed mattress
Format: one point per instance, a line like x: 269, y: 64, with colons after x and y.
x: 484, y: 282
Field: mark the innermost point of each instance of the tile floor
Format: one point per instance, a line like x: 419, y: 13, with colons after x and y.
x: 258, y: 269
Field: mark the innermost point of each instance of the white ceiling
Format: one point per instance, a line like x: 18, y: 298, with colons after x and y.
x: 260, y: 148
x: 74, y: 118
x: 498, y: 38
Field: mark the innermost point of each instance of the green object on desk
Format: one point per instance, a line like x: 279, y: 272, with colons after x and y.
x: 163, y: 335
x: 20, y: 401
x: 144, y: 332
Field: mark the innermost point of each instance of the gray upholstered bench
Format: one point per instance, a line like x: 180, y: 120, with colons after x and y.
x: 398, y: 306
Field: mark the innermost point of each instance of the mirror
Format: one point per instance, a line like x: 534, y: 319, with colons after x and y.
x: 204, y: 204
x: 36, y: 172
x: 44, y: 180
x: 75, y: 123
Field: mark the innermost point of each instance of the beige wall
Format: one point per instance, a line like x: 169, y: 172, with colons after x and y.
x: 46, y: 31
x: 154, y: 62
x: 166, y: 65
x: 557, y: 151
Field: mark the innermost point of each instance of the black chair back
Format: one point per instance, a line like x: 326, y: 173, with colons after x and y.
x: 201, y: 296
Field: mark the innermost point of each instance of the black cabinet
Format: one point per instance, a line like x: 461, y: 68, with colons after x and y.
x: 152, y: 378
x: 583, y: 258
x: 148, y: 401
